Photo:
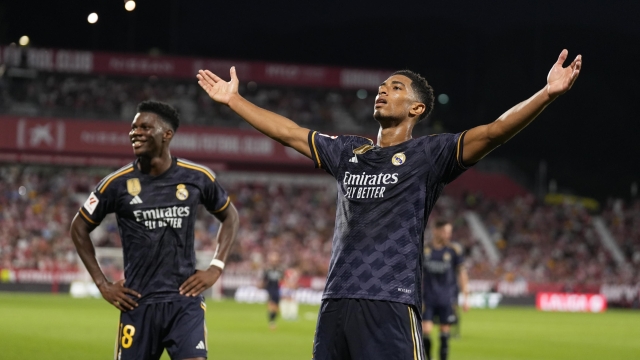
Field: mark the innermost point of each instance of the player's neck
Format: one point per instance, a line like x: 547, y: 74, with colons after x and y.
x: 392, y: 133
x: 156, y: 165
x: 438, y: 244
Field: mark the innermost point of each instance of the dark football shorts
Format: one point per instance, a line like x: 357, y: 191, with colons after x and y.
x: 176, y: 325
x: 361, y: 329
x: 443, y: 313
x: 274, y: 295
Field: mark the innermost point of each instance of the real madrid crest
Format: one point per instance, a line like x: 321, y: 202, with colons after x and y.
x: 446, y: 257
x: 182, y: 193
x: 398, y: 159
x: 133, y: 186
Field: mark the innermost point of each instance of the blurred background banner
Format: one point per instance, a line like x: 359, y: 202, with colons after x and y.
x: 68, y: 141
x: 102, y: 63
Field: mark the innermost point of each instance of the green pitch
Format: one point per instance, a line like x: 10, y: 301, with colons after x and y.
x: 59, y: 327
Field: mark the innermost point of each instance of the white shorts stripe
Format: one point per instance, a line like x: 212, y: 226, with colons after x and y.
x: 417, y: 329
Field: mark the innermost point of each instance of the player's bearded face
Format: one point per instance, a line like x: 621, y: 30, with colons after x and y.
x: 394, y: 100
x: 146, y: 135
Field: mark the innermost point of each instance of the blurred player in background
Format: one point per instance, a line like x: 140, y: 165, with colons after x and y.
x: 386, y: 190
x: 461, y: 285
x: 155, y: 199
x: 443, y: 263
x: 289, y: 304
x: 271, y: 280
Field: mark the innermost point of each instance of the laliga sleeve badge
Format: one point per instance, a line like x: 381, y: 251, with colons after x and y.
x: 398, y: 159
x: 182, y: 193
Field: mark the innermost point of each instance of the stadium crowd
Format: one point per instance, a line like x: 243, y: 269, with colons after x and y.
x: 537, y: 242
x: 623, y: 220
x: 547, y: 243
x: 115, y: 98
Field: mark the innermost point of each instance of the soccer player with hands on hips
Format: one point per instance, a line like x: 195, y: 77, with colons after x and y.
x: 386, y: 190
x: 155, y: 199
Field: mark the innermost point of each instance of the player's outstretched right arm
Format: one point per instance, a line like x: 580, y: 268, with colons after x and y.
x: 271, y: 124
x: 114, y: 293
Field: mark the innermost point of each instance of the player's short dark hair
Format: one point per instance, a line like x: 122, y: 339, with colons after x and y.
x: 423, y: 90
x: 166, y: 112
x: 439, y: 223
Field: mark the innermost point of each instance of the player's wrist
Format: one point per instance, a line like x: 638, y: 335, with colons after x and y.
x: 217, y: 263
x: 233, y: 99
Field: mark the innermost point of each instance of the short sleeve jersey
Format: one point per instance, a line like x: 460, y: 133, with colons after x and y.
x: 440, y: 270
x: 272, y: 279
x: 156, y: 217
x: 385, y: 195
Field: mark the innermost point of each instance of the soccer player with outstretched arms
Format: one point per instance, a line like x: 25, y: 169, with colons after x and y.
x: 155, y: 199
x: 386, y: 190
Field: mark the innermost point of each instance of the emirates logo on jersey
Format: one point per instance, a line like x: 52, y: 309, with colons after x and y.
x: 366, y: 186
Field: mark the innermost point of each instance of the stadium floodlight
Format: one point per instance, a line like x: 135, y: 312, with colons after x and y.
x: 92, y: 18
x: 24, y: 40
x: 129, y: 5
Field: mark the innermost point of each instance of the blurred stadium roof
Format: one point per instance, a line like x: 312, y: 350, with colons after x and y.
x: 486, y: 55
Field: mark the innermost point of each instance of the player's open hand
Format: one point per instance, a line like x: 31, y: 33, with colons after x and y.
x: 200, y: 281
x: 116, y: 295
x: 561, y: 79
x: 218, y: 89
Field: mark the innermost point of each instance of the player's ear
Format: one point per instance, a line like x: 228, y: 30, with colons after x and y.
x: 168, y: 135
x: 417, y: 109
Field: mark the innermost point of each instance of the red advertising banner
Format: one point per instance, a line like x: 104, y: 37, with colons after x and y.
x: 88, y: 142
x: 88, y: 62
x: 566, y: 302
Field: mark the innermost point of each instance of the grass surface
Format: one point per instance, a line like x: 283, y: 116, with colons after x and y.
x: 59, y: 327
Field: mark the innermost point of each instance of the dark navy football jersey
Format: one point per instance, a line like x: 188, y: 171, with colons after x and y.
x: 385, y: 195
x: 272, y: 278
x: 156, y: 217
x: 440, y: 274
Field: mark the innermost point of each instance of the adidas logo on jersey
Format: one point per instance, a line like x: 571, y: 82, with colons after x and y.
x: 354, y: 159
x: 200, y: 346
x: 135, y: 201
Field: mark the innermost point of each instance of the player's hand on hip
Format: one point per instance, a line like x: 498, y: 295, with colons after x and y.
x: 200, y: 281
x: 218, y: 89
x: 561, y: 79
x: 117, y: 295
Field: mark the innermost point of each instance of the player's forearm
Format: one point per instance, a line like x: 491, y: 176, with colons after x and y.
x: 86, y: 250
x: 227, y: 233
x: 463, y: 280
x: 269, y: 123
x: 517, y: 118
x: 481, y: 140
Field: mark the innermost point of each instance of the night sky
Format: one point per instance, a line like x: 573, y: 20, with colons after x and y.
x: 486, y: 55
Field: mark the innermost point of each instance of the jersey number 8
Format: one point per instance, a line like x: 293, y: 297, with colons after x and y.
x: 127, y: 336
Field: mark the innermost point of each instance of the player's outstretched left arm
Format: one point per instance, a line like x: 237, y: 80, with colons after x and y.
x: 204, y: 279
x: 481, y: 140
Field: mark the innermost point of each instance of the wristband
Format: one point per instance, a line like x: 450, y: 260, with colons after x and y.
x: 217, y: 263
